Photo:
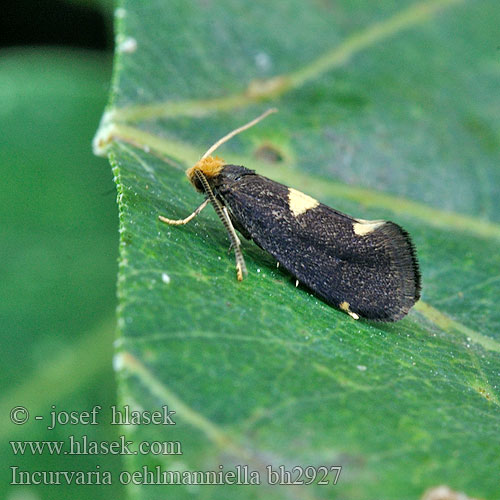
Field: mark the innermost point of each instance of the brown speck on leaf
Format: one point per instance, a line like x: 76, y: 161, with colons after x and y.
x: 268, y: 153
x: 484, y: 393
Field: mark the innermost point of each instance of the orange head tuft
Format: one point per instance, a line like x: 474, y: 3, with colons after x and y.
x: 209, y: 167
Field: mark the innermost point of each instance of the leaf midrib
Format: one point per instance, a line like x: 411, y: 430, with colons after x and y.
x: 315, y: 184
x: 281, y: 84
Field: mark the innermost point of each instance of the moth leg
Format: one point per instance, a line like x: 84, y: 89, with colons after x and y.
x: 221, y: 211
x: 237, y: 225
x: 181, y: 222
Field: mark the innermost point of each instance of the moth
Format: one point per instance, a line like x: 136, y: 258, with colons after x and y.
x: 366, y: 268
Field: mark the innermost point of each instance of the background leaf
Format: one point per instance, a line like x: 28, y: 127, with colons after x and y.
x: 58, y: 261
x: 386, y: 110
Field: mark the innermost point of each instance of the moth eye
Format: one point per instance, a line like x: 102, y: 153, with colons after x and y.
x: 197, y: 185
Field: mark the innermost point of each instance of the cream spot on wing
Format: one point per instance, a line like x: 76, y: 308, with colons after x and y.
x: 362, y: 226
x: 299, y: 202
x: 345, y: 307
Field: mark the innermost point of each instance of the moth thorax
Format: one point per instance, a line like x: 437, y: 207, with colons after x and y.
x: 210, y: 167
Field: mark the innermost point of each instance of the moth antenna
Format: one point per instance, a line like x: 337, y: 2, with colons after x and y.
x: 238, y: 130
x: 223, y: 214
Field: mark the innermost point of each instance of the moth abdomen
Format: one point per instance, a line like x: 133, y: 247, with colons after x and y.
x: 393, y: 282
x: 366, y: 268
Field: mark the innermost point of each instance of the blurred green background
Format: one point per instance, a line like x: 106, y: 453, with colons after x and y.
x: 59, y: 234
x: 59, y: 223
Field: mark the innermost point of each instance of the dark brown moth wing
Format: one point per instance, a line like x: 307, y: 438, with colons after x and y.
x: 374, y: 275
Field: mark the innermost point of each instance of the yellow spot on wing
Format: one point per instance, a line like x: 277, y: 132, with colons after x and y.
x: 345, y: 307
x: 362, y: 226
x: 299, y: 202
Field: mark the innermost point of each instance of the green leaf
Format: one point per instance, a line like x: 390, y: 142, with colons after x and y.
x: 387, y: 110
x: 58, y: 260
